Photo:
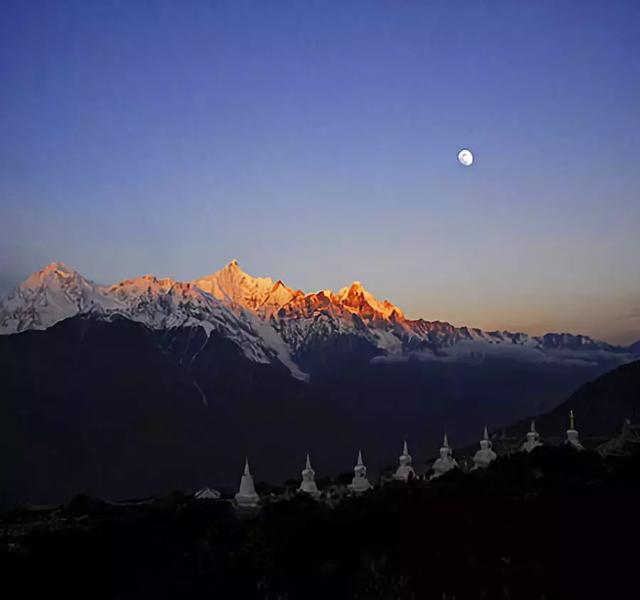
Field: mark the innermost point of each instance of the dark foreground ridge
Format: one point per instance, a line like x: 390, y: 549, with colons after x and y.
x: 602, y: 404
x: 117, y: 410
x: 551, y: 524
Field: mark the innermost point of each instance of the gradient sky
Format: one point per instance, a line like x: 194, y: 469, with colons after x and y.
x: 316, y: 142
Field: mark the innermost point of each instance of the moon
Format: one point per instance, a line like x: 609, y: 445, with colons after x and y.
x: 465, y: 158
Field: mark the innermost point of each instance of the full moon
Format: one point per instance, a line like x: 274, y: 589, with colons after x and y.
x: 465, y: 157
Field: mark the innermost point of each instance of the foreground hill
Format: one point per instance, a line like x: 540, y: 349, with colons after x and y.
x: 553, y: 524
x: 601, y: 406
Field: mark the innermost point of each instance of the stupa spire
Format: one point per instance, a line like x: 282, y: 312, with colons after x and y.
x: 533, y: 439
x: 445, y: 462
x: 247, y: 495
x: 483, y: 457
x: 404, y: 470
x: 360, y: 483
x: 308, y: 484
x: 573, y: 438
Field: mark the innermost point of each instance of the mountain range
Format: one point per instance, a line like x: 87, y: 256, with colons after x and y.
x: 270, y: 321
x: 152, y: 384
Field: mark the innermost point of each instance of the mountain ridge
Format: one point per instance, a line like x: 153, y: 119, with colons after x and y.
x: 600, y: 406
x: 271, y: 321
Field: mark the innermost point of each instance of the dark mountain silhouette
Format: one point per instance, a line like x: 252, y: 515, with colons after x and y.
x: 600, y: 406
x: 112, y: 408
x: 116, y: 409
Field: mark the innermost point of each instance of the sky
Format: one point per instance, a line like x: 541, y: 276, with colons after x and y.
x: 316, y: 141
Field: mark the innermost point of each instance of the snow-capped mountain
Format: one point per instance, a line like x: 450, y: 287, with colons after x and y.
x: 308, y: 320
x: 270, y: 321
x: 50, y: 295
x: 166, y: 304
x: 57, y: 292
x: 235, y: 287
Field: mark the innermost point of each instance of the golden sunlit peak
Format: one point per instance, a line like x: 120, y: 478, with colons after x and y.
x: 54, y: 269
x: 56, y: 266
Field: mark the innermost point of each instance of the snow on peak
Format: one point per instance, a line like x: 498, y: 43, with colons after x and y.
x: 264, y: 297
x: 147, y: 283
x: 50, y: 272
x: 49, y: 295
x: 56, y: 265
x: 279, y: 295
x: 232, y: 284
x: 358, y: 298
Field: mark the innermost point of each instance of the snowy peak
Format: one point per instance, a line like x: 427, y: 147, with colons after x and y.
x: 266, y: 298
x: 356, y: 297
x: 54, y: 275
x: 279, y: 295
x: 54, y: 269
x: 233, y: 285
x: 569, y: 341
x: 49, y: 295
x: 151, y: 285
x: 162, y: 298
x: 309, y: 305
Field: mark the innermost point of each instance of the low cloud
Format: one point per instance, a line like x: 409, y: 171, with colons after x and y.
x: 475, y: 351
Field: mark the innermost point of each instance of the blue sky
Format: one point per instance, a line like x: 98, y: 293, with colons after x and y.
x: 316, y: 142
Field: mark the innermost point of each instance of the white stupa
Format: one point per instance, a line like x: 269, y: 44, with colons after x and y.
x: 359, y: 483
x: 308, y: 484
x: 404, y: 470
x: 247, y: 496
x: 485, y: 456
x: 533, y: 439
x: 573, y: 438
x: 446, y: 462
